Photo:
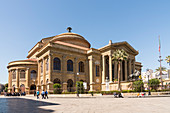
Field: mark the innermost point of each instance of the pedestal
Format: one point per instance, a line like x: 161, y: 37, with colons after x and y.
x: 65, y: 87
x: 9, y: 90
x: 38, y: 87
x: 92, y: 87
x: 27, y: 90
x: 17, y: 89
x: 50, y: 87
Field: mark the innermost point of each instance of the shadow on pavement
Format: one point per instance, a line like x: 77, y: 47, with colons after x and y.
x: 20, y: 105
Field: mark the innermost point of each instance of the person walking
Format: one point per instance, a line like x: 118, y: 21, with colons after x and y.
x: 46, y: 94
x: 43, y: 93
x: 38, y: 94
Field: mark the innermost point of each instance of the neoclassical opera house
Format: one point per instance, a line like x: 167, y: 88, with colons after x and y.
x: 67, y: 58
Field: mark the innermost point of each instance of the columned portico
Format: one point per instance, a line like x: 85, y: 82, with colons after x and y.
x: 66, y: 55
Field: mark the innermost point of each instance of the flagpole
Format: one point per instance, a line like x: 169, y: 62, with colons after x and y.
x: 160, y: 62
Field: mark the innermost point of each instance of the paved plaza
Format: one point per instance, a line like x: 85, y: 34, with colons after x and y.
x: 104, y: 104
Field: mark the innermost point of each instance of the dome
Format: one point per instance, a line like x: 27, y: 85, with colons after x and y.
x: 72, y: 38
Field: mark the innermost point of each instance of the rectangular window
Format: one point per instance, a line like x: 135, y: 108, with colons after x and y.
x: 97, y: 70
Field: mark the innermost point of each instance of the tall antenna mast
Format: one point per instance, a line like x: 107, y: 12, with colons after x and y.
x: 160, y: 62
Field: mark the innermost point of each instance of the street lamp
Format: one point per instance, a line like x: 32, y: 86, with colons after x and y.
x: 148, y: 73
x: 34, y: 87
x: 77, y: 84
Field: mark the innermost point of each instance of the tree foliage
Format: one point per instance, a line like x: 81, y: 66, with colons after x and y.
x: 168, y: 60
x: 6, y: 85
x: 138, y: 86
x: 57, y: 88
x: 162, y: 68
x: 154, y: 83
x: 80, y: 87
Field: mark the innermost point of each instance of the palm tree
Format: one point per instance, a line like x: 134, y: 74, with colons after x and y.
x: 162, y: 69
x: 168, y: 60
x: 119, y: 56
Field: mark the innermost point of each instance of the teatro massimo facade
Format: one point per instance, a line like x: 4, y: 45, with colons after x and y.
x: 67, y: 58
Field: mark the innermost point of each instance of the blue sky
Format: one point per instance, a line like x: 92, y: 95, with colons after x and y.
x: 24, y: 23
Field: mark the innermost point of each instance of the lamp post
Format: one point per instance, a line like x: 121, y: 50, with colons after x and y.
x: 34, y: 87
x: 77, y: 84
x: 148, y: 73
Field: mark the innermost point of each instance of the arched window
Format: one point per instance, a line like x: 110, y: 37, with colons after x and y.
x: 81, y: 66
x: 57, y: 64
x: 69, y: 65
x: 47, y: 64
x: 69, y: 85
x: 22, y: 74
x: 42, y: 67
x: 56, y: 81
x: 14, y: 75
x: 33, y: 74
x: 47, y: 81
x: 33, y: 87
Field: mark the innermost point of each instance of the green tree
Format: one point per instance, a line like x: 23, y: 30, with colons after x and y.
x: 168, y: 60
x: 138, y: 86
x: 80, y: 87
x: 162, y: 68
x: 119, y: 56
x: 154, y: 83
x: 57, y: 88
x: 6, y: 87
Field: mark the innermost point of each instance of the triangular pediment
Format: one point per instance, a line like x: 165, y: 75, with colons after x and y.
x: 126, y: 46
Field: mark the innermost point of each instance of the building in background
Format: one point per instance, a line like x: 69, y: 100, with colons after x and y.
x: 67, y: 58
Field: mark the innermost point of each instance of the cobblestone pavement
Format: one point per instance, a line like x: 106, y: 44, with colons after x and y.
x: 102, y: 105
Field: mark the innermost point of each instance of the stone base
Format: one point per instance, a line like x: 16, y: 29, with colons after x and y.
x: 50, y: 87
x: 65, y: 87
x: 9, y: 90
x: 27, y: 90
x: 17, y: 89
x: 92, y: 87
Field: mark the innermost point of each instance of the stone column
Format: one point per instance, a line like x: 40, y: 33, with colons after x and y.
x: 104, y: 70
x: 91, y: 70
x: 76, y: 78
x: 27, y: 81
x: 121, y: 71
x: 50, y: 67
x: 110, y: 68
x: 44, y: 72
x: 50, y: 83
x: 9, y: 80
x: 87, y: 73
x: 133, y: 65
x: 130, y: 67
x: 126, y: 76
x: 17, y: 81
x: 115, y: 70
x: 39, y: 74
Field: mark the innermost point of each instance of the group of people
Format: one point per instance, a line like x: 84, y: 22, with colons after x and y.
x: 118, y: 95
x: 44, y: 94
